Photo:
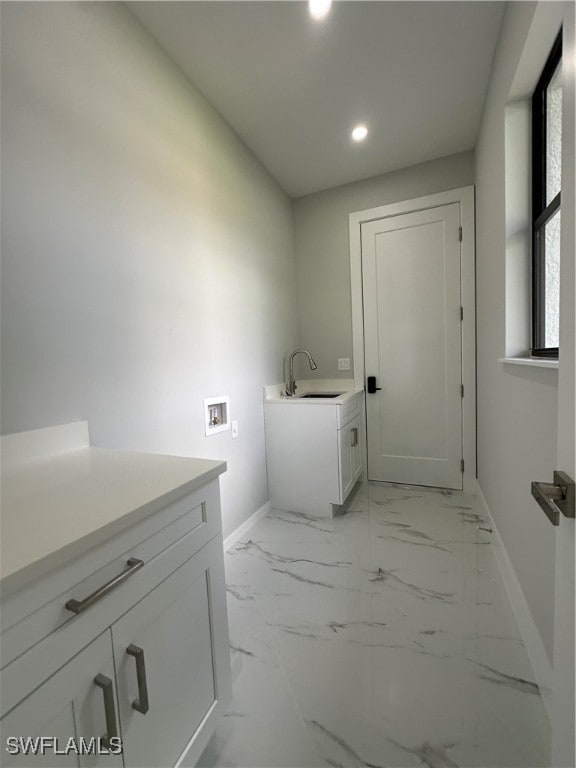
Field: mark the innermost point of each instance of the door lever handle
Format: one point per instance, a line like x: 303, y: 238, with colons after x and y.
x: 555, y: 498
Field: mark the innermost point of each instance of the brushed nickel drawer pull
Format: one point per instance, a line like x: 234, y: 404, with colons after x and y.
x: 140, y: 704
x: 107, y: 687
x: 77, y: 606
x: 354, y: 437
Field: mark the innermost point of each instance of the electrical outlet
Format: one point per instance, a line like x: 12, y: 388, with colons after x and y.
x: 343, y: 363
x: 234, y: 430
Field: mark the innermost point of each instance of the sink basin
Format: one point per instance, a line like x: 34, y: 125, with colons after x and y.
x: 316, y: 395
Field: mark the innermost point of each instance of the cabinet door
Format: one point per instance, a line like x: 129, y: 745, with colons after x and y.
x: 164, y: 651
x: 355, y: 450
x: 69, y: 705
x: 349, y: 456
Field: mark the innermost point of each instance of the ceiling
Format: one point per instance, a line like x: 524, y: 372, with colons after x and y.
x: 293, y: 87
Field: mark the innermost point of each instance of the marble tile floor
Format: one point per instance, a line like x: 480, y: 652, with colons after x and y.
x: 381, y: 638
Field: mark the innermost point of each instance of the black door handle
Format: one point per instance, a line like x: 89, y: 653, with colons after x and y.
x: 371, y: 382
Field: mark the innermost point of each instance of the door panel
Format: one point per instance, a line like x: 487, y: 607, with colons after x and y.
x: 563, y: 704
x: 411, y: 283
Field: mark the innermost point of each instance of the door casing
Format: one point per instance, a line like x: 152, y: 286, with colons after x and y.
x: 464, y: 196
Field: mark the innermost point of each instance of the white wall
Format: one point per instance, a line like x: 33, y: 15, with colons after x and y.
x: 517, y: 407
x: 323, y: 254
x: 147, y: 256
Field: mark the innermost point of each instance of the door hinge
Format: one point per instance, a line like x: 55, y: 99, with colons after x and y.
x: 460, y: 234
x: 461, y: 465
x: 461, y: 314
x: 462, y: 390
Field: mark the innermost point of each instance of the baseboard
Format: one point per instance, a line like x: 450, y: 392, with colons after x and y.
x: 539, y: 660
x: 236, y: 535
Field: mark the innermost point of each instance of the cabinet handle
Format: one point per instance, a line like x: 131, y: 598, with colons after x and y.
x: 354, y: 437
x: 140, y: 704
x: 109, y: 708
x: 77, y: 606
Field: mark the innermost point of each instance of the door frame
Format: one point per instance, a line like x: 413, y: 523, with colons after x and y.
x: 464, y: 196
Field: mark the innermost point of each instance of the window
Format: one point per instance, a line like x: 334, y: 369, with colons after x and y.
x: 546, y: 185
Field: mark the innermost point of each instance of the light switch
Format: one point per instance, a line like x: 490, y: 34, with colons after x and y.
x: 343, y: 363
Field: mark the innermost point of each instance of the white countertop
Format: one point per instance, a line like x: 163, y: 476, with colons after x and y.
x: 56, y: 507
x: 275, y: 393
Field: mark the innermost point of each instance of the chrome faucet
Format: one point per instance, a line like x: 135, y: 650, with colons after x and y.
x: 291, y: 386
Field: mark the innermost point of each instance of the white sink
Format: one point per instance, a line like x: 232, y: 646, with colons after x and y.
x: 329, y: 392
x: 315, y: 395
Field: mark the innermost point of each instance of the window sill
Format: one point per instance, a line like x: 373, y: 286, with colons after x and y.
x: 534, y: 362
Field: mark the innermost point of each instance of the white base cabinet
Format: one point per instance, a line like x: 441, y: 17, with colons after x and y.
x: 313, y: 454
x: 147, y: 662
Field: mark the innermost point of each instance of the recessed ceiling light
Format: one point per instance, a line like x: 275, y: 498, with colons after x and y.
x: 359, y: 133
x: 319, y: 8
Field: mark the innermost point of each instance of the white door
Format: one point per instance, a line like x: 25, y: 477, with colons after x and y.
x: 563, y: 715
x: 413, y: 346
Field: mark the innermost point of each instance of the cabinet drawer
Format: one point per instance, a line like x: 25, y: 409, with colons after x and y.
x: 31, y: 615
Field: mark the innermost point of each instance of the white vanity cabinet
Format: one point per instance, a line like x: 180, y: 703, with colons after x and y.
x: 313, y: 452
x: 127, y: 636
